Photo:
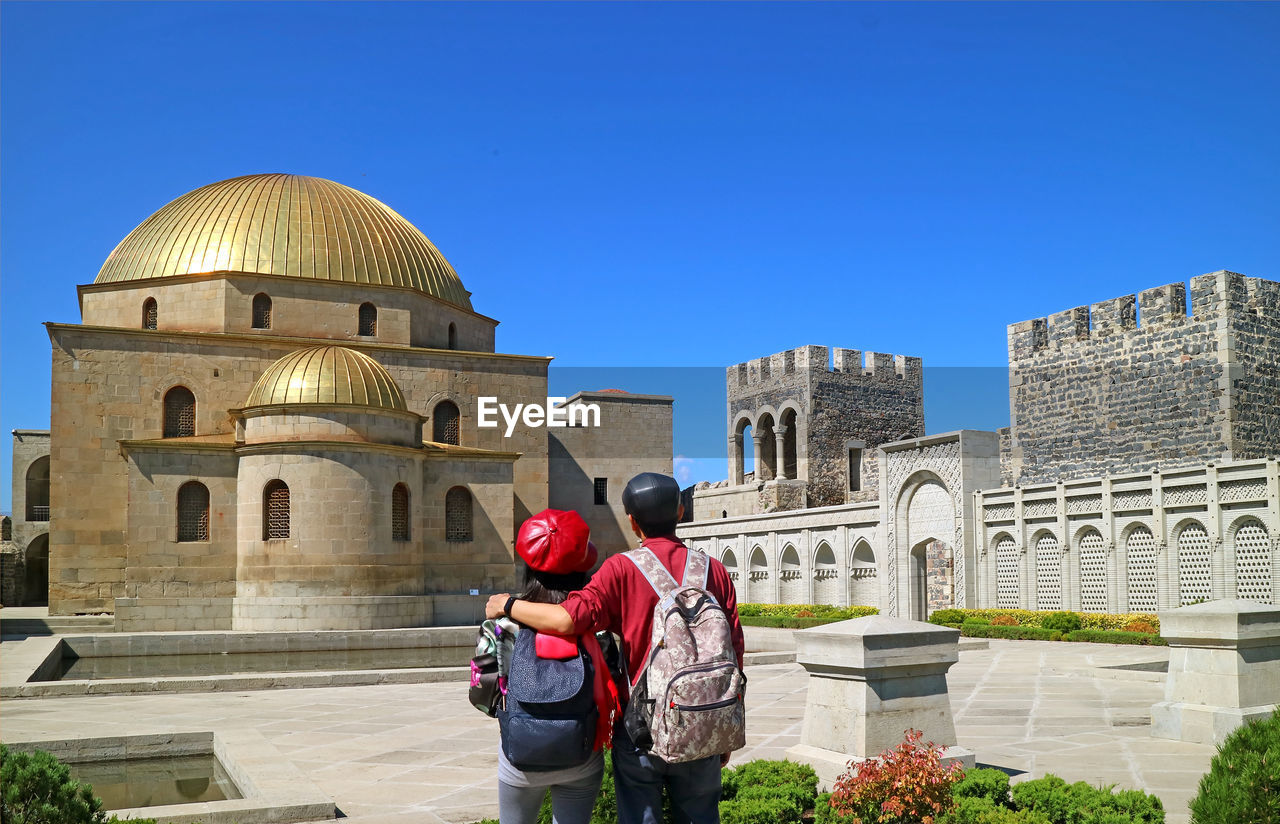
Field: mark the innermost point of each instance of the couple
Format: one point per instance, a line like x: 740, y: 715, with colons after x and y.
x: 561, y: 599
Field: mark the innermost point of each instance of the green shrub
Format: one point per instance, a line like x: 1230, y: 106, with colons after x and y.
x: 1063, y: 622
x: 750, y: 808
x: 36, y: 788
x: 982, y: 622
x: 974, y: 630
x: 946, y: 617
x: 1243, y: 782
x: 977, y: 810
x: 1115, y: 636
x: 992, y: 785
x: 1079, y: 803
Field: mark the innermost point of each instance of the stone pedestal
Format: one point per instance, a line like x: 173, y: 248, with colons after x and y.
x: 870, y: 680
x: 1224, y: 669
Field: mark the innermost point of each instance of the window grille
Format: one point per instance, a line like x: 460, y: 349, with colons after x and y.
x: 602, y: 491
x: 400, y: 513
x: 457, y: 515
x: 275, y: 511
x: 261, y: 312
x: 1007, y: 586
x: 1195, y: 565
x: 150, y: 315
x: 179, y: 413
x: 1253, y: 563
x: 368, y: 320
x: 1140, y: 548
x: 1048, y: 573
x: 445, y: 423
x: 193, y: 512
x: 1093, y: 573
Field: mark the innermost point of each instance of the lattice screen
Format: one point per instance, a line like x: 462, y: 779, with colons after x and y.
x: 150, y: 315
x: 400, y: 513
x: 193, y: 512
x: 444, y: 423
x: 179, y: 413
x: 1007, y: 588
x: 1093, y: 573
x: 457, y: 515
x: 1253, y: 563
x: 1195, y: 565
x: 276, y: 515
x: 368, y: 320
x: 261, y: 312
x: 1048, y: 573
x: 1141, y: 549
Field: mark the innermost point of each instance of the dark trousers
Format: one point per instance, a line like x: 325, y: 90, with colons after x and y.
x: 639, y: 778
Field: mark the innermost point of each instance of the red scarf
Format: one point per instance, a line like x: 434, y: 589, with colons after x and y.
x: 606, y: 693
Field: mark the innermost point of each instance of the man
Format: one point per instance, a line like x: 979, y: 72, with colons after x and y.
x: 620, y: 599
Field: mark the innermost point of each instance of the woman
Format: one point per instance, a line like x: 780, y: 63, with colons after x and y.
x: 555, y: 547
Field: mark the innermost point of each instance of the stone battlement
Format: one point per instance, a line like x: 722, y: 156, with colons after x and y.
x: 804, y: 360
x: 1218, y: 295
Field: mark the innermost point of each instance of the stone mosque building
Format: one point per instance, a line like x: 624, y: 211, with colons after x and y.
x: 269, y: 419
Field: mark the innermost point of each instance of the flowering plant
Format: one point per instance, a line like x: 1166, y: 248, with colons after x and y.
x: 908, y: 783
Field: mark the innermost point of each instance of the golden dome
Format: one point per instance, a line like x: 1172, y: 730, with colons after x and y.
x: 304, y: 227
x: 327, y: 374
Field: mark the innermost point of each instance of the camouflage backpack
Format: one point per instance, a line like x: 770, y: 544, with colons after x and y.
x: 688, y: 701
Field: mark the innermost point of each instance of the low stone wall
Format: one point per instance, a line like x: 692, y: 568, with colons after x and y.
x: 297, y: 613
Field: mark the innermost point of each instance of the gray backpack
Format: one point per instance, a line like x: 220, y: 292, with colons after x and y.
x: 688, y: 701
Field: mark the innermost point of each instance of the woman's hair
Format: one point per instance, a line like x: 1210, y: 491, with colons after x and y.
x: 546, y: 588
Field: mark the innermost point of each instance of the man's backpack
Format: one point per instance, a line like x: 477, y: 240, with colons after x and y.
x: 688, y: 701
x: 548, y: 717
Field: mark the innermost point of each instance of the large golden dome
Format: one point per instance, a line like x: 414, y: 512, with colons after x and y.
x: 329, y: 375
x: 304, y: 227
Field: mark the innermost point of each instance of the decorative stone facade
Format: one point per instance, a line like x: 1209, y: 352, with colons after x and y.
x: 24, y: 551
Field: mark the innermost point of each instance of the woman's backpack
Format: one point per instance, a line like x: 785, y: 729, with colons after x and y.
x: 548, y: 717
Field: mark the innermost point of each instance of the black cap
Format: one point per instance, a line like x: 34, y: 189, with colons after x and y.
x: 652, y: 499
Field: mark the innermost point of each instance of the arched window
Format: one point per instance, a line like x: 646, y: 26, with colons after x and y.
x: 368, y: 320
x: 193, y: 512
x: 1093, y: 572
x: 457, y: 515
x: 6, y: 528
x: 179, y: 413
x: 445, y: 422
x: 261, y: 311
x: 1195, y: 565
x: 150, y: 315
x: 1008, y: 576
x: 38, y: 489
x: 453, y: 336
x: 400, y: 513
x: 275, y: 511
x: 1142, y: 555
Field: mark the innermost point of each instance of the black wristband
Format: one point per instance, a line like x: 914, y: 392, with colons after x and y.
x: 506, y: 609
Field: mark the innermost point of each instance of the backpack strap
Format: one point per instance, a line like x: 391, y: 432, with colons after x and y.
x: 695, y: 569
x: 654, y: 572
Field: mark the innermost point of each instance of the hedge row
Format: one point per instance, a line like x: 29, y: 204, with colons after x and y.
x: 978, y: 629
x: 975, y: 630
x: 824, y: 611
x: 1032, y: 618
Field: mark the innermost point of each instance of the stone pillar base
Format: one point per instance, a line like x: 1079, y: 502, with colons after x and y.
x: 1201, y: 724
x: 830, y: 765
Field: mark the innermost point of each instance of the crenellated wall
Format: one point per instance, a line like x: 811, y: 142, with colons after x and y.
x: 1135, y: 382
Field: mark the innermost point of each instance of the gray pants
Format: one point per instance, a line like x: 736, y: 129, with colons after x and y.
x: 571, y: 802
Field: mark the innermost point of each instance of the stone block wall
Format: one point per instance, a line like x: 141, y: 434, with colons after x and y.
x: 1131, y: 384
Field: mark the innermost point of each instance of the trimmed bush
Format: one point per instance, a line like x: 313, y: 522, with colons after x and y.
x: 1243, y: 782
x: 1004, y: 621
x: 970, y: 810
x: 1031, y: 618
x: 1140, y: 626
x: 1105, y: 636
x: 992, y: 785
x: 1063, y: 622
x: 826, y: 611
x: 1079, y: 803
x: 947, y: 617
x: 975, y: 630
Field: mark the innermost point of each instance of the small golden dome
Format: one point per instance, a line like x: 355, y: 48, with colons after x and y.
x: 289, y: 225
x: 327, y: 374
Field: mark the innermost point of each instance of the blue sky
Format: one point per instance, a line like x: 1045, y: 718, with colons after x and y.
x: 671, y: 185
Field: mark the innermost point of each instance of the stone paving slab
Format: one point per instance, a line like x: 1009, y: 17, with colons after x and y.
x: 396, y: 753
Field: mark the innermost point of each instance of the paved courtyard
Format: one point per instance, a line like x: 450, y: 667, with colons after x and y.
x: 419, y: 753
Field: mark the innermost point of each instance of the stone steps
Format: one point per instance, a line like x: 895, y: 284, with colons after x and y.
x: 56, y: 625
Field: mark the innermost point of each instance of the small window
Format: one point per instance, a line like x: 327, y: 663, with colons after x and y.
x: 150, y: 315
x: 457, y: 515
x: 193, y: 512
x: 275, y: 511
x: 400, y: 513
x: 368, y: 320
x: 453, y: 336
x: 179, y: 413
x: 445, y: 423
x: 724, y: 513
x: 855, y: 470
x: 602, y: 491
x: 261, y: 311
x: 6, y: 528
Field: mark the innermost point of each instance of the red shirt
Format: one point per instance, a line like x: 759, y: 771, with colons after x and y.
x: 620, y: 599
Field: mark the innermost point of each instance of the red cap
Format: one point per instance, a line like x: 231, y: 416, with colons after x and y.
x: 556, y: 542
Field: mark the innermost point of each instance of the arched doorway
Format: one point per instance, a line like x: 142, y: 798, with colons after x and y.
x: 930, y: 525
x: 38, y: 490
x: 918, y: 582
x: 35, y: 589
